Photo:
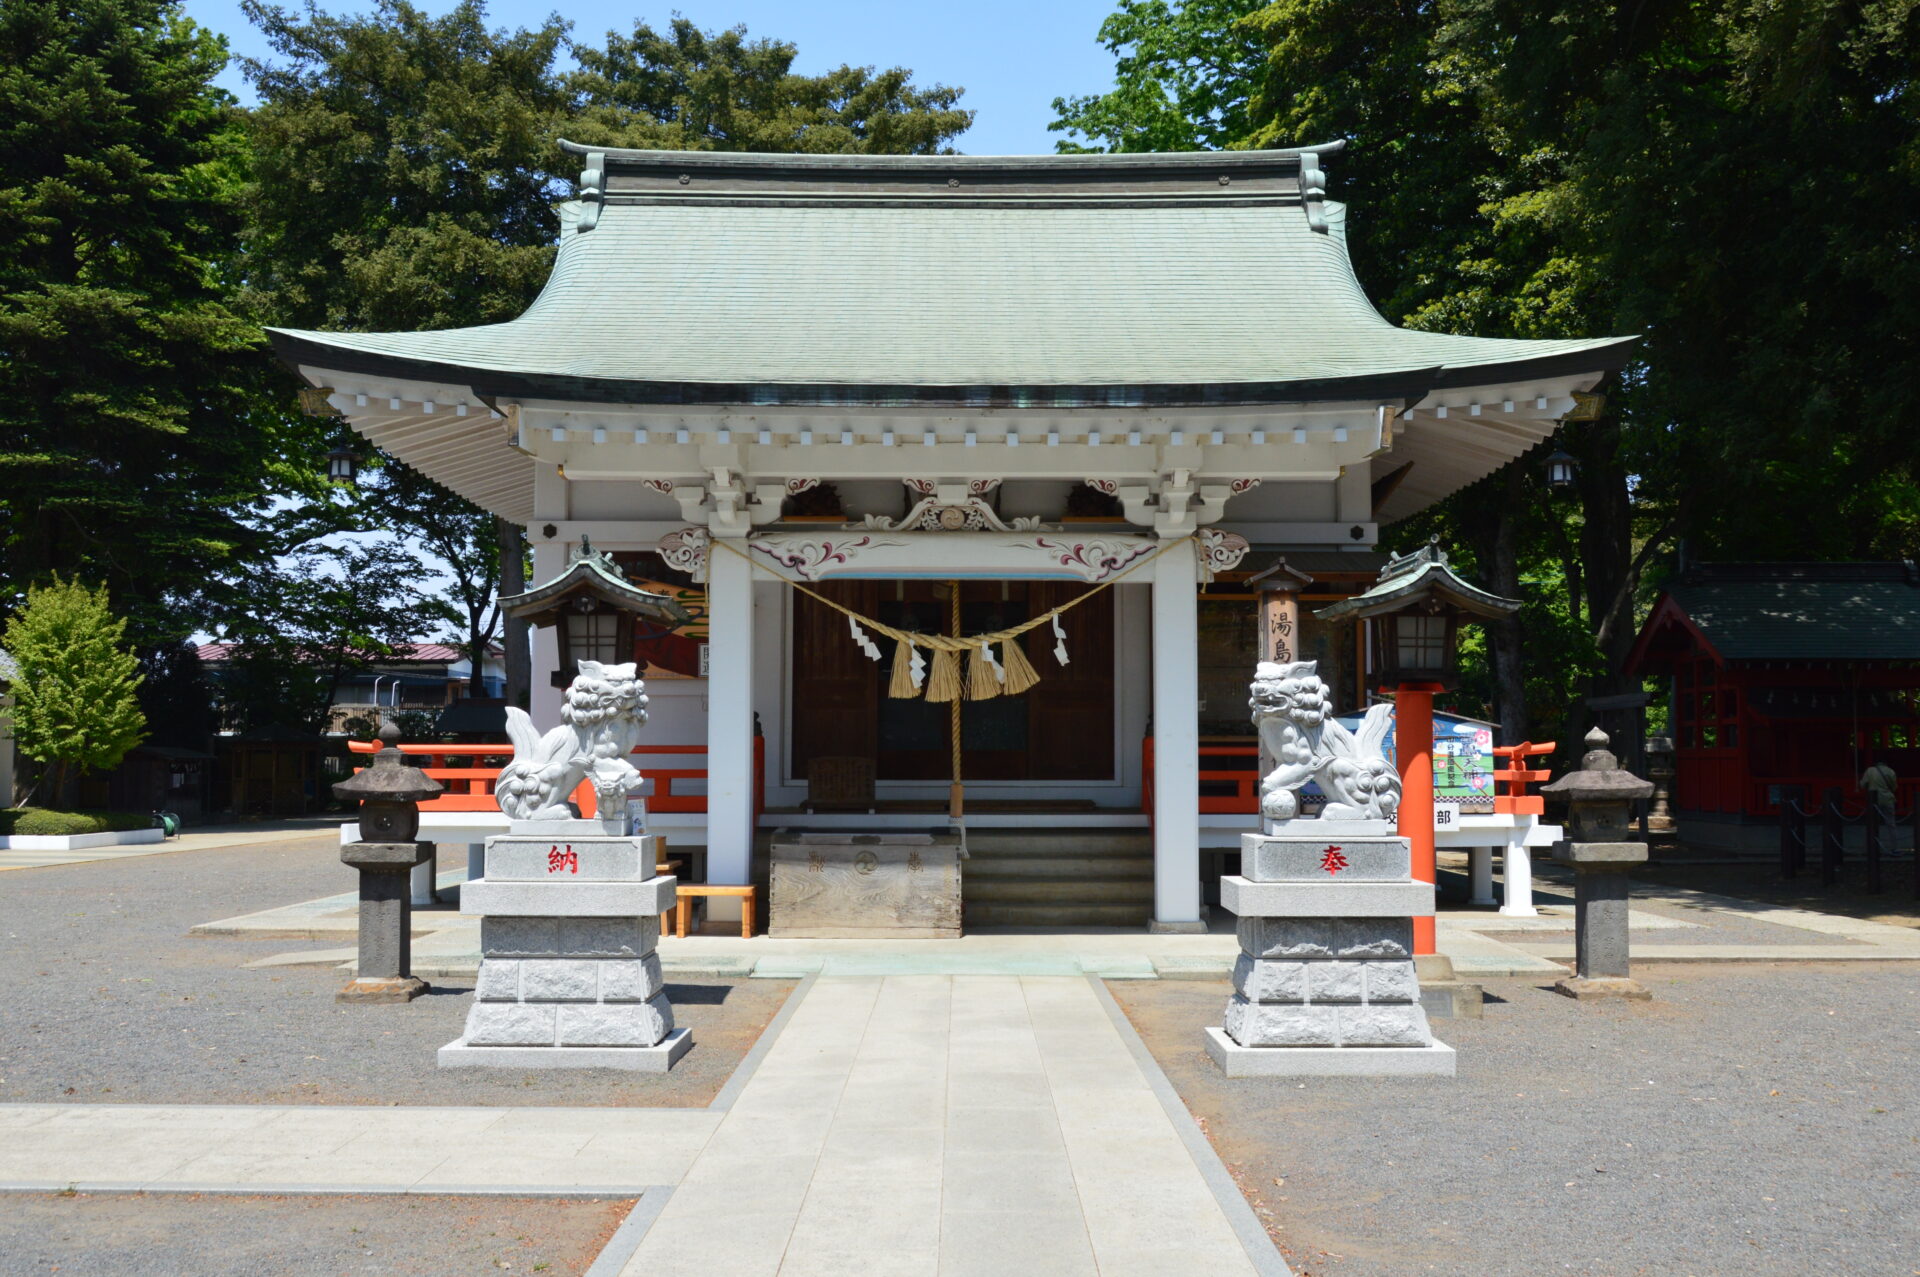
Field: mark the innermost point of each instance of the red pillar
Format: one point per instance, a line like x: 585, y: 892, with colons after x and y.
x: 1413, y: 752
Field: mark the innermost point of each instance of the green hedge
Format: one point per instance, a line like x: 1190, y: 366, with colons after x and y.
x: 31, y: 822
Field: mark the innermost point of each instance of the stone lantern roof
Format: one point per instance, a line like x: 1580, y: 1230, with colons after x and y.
x: 1421, y: 576
x: 388, y: 779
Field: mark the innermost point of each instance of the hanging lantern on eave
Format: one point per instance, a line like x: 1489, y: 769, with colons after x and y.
x: 343, y: 467
x: 1561, y: 469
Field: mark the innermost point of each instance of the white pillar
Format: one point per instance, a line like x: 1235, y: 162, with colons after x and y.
x: 1176, y: 740
x: 543, y: 699
x: 1480, y: 869
x: 729, y: 718
x: 1517, y: 866
x: 476, y: 861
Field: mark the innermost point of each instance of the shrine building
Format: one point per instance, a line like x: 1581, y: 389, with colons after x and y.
x: 1785, y: 681
x: 1101, y: 390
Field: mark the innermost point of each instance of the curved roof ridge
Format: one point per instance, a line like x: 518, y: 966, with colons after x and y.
x: 1092, y: 161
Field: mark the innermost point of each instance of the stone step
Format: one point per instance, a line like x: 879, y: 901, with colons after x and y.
x: 1008, y: 843
x: 1049, y: 892
x: 994, y: 914
x: 982, y: 868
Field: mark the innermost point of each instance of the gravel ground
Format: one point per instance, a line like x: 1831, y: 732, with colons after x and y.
x: 109, y: 1000
x: 1752, y: 1119
x: 142, y: 1235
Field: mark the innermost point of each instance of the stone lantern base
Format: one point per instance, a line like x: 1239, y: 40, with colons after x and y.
x: 1325, y: 983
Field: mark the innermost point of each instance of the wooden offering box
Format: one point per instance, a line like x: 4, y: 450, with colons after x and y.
x: 839, y: 886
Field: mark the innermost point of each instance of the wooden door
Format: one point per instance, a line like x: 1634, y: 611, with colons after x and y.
x: 1070, y: 710
x: 835, y: 687
x: 1062, y: 729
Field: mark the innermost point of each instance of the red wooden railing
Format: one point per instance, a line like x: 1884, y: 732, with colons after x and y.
x: 1245, y: 798
x: 469, y: 772
x: 1245, y: 794
x: 1516, y: 801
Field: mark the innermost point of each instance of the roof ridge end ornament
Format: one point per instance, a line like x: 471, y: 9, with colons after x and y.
x: 1313, y: 191
x: 1428, y: 553
x: 592, y: 192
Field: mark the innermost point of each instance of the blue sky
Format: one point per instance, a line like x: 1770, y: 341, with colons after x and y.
x: 1012, y: 58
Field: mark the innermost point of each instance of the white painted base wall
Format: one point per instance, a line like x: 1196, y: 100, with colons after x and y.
x: 80, y: 842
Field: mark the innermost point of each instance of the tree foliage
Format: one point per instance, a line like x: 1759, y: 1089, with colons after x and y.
x: 684, y: 89
x: 1732, y: 180
x: 75, y: 698
x: 135, y: 442
x: 1182, y: 75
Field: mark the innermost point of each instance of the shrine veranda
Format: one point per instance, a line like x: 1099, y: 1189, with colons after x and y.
x: 953, y: 347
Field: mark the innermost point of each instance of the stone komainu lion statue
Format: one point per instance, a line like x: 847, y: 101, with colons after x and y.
x: 600, y: 719
x: 1304, y: 742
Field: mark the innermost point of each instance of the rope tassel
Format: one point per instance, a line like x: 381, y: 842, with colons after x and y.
x: 984, y: 684
x: 1020, y: 674
x: 908, y: 670
x: 943, y: 684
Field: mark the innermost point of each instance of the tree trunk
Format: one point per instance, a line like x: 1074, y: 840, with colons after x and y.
x: 476, y: 656
x: 1502, y: 566
x: 513, y: 580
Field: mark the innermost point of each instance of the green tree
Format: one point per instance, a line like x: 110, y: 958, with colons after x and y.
x: 685, y: 89
x: 1183, y: 72
x: 136, y: 437
x: 76, y: 707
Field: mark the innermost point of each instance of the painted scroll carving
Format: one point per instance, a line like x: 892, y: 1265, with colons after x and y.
x: 686, y: 551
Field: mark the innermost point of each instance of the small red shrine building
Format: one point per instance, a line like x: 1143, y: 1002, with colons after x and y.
x: 1787, y: 679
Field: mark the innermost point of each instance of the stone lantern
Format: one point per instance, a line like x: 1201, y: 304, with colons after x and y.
x: 1601, y: 849
x: 1414, y: 613
x: 389, y: 793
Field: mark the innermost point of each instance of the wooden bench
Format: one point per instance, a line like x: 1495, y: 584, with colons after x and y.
x: 686, y: 891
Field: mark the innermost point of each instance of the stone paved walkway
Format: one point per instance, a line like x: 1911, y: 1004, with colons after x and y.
x: 899, y: 1125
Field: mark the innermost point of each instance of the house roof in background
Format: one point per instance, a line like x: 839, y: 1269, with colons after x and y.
x: 404, y: 653
x: 1843, y: 612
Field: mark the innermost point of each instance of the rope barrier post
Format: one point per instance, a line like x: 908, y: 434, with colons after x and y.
x: 956, y: 801
x: 1877, y: 823
x: 1832, y: 839
x: 1916, y: 847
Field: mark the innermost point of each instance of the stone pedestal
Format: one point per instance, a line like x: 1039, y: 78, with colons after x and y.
x: 1325, y: 983
x: 384, y: 972
x: 1600, y: 908
x: 847, y: 886
x: 569, y: 976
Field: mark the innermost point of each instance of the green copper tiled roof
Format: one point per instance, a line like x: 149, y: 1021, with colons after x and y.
x: 1864, y: 615
x: 1062, y: 290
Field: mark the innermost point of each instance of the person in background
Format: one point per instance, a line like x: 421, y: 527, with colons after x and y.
x: 1879, y: 783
